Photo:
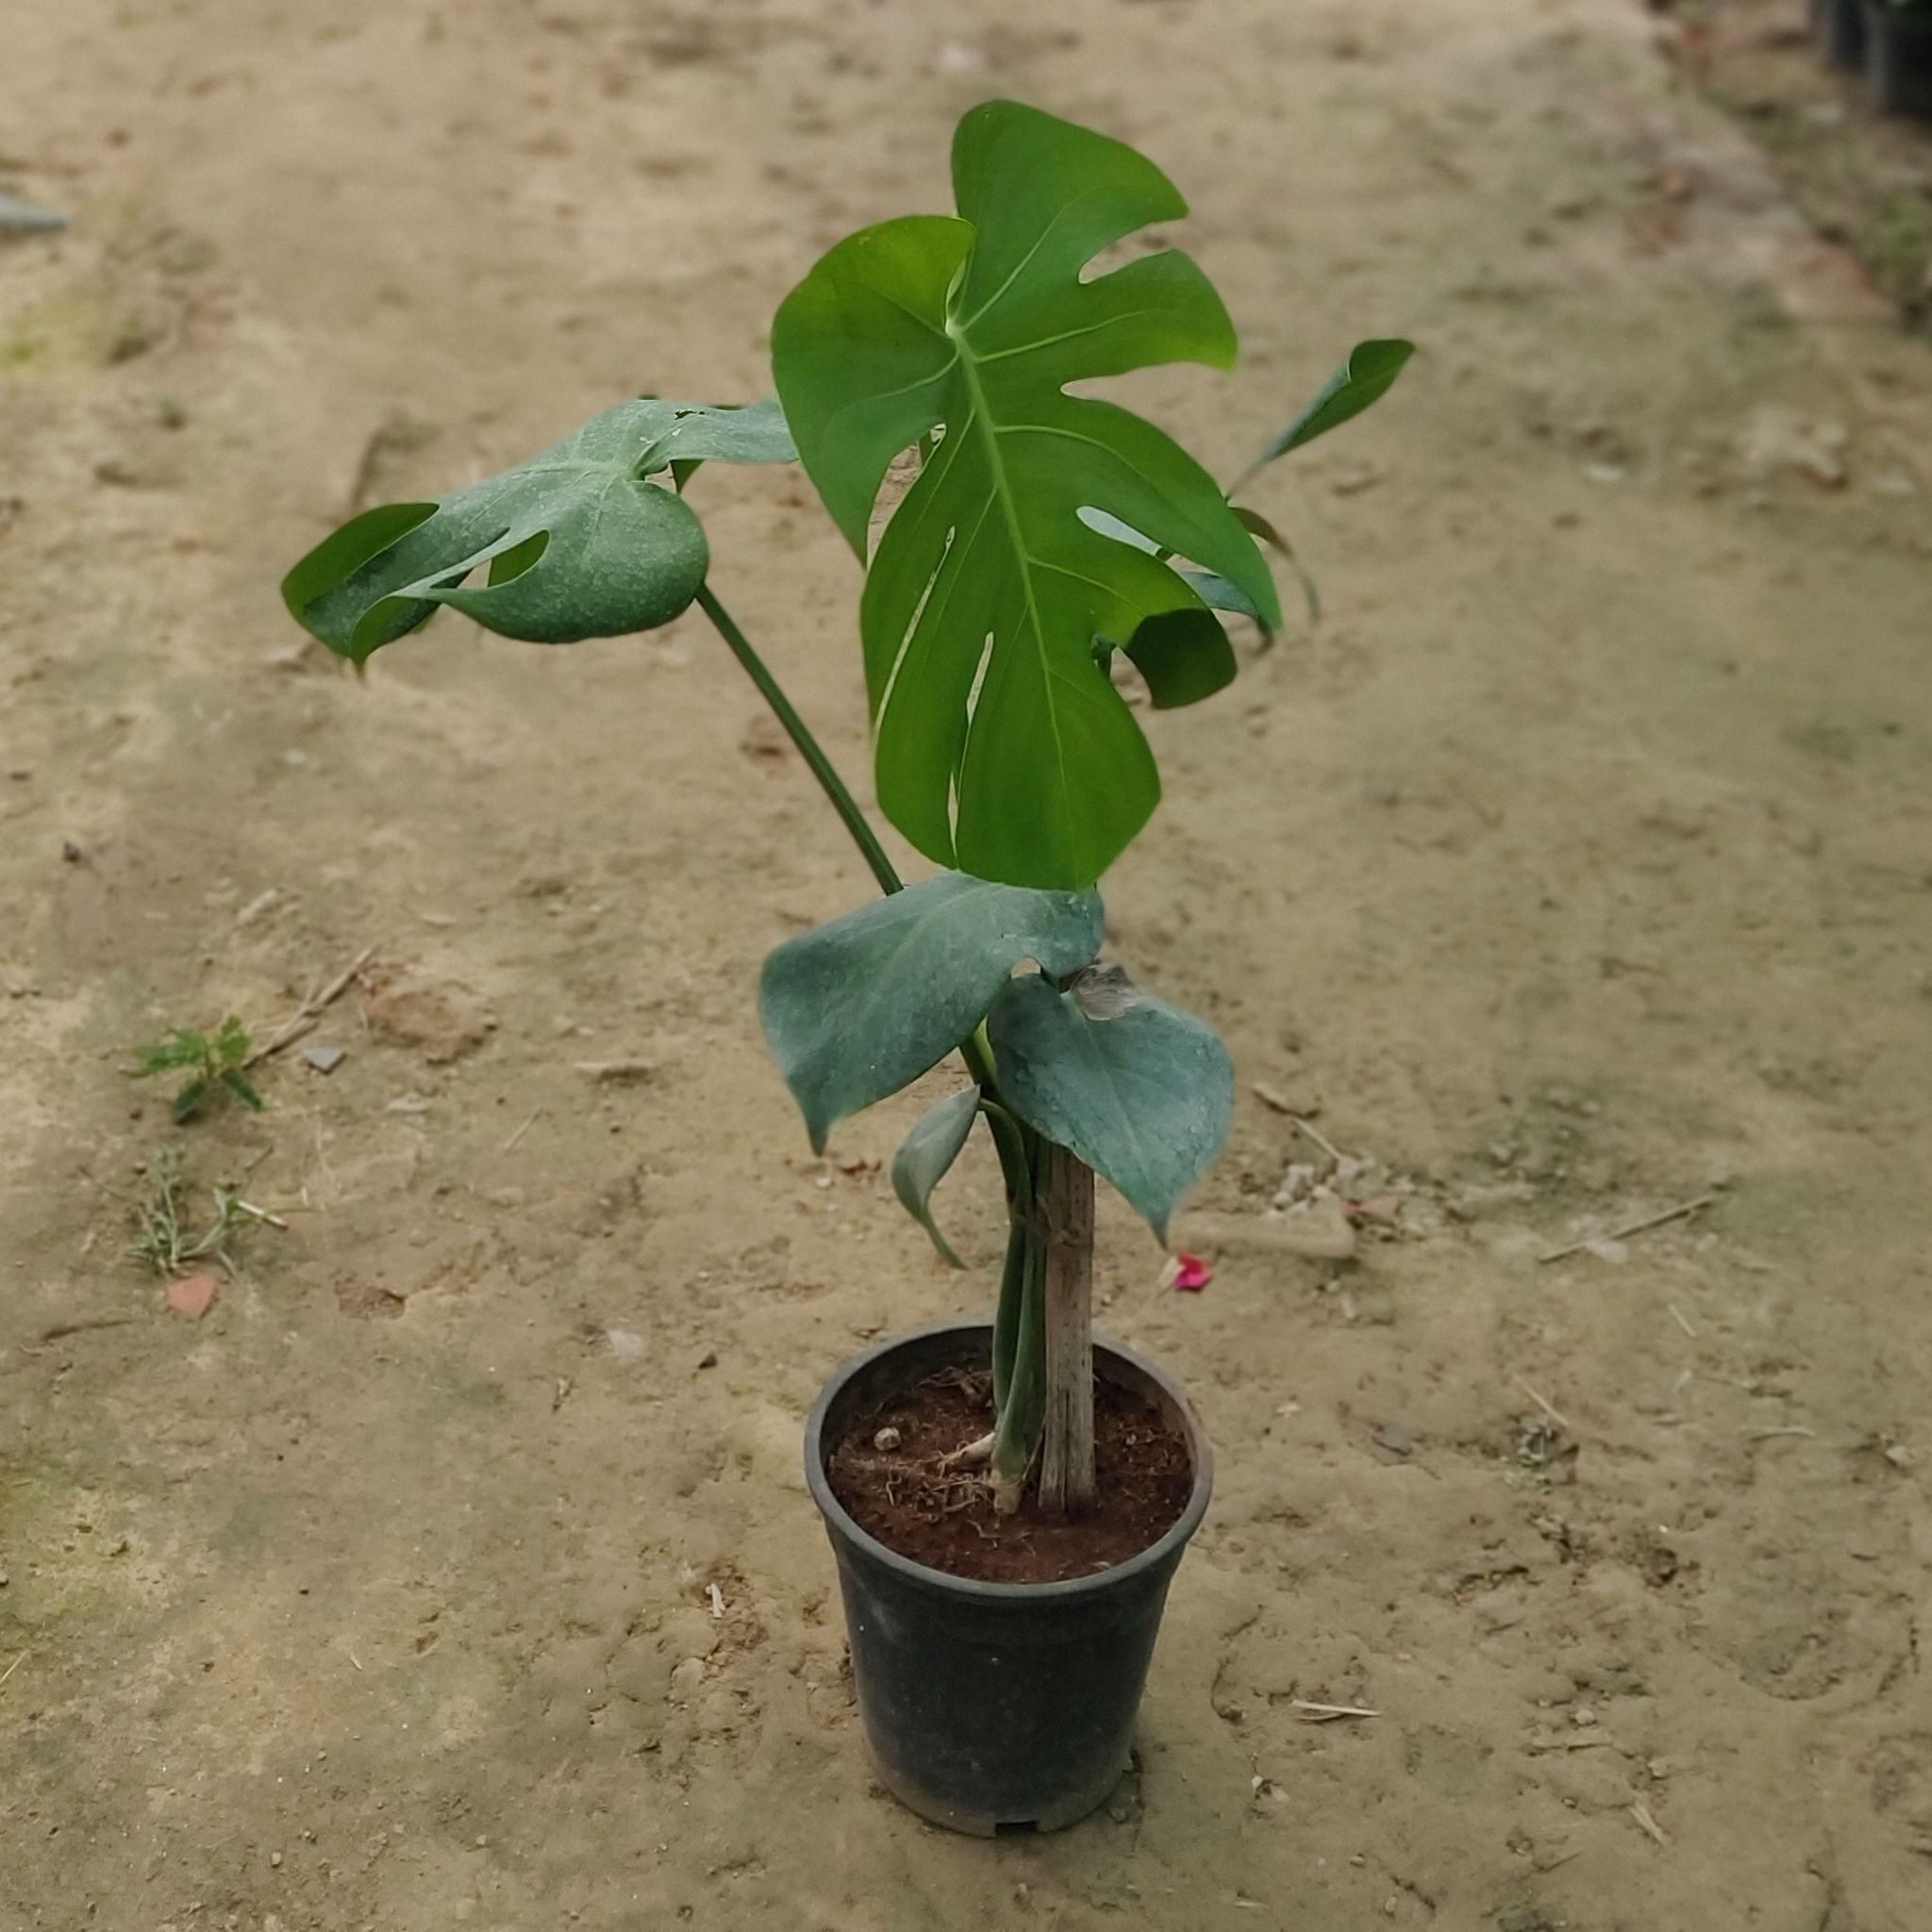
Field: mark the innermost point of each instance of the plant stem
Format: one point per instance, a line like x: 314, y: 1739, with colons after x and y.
x: 808, y: 749
x: 978, y: 1062
x: 1018, y: 1348
x: 1006, y: 1320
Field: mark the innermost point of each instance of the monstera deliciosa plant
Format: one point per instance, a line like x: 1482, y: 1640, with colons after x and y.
x: 1053, y: 561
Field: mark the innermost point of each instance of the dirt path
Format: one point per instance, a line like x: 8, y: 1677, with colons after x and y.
x: 1577, y: 866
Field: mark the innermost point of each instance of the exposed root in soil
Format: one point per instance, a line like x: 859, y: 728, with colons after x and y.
x: 974, y: 1454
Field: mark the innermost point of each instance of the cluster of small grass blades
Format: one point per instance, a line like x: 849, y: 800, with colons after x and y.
x: 166, y: 1239
x: 213, y: 1062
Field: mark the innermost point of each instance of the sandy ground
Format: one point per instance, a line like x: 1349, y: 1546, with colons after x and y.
x: 1577, y: 866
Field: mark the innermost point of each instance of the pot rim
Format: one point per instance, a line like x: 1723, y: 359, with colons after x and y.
x: 1165, y: 1548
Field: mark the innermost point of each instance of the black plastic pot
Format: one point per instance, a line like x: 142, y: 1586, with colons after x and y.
x: 993, y: 1708
x: 1838, y: 29
x: 1898, y: 57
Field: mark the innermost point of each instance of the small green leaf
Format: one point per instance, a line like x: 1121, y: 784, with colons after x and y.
x: 1364, y: 379
x: 231, y: 1043
x: 1140, y: 1091
x: 856, y: 1008
x: 1001, y: 746
x: 181, y: 1048
x: 239, y: 1084
x: 216, y: 1060
x: 926, y: 1156
x: 578, y: 541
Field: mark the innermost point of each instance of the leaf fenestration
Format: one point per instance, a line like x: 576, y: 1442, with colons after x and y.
x: 575, y: 543
x: 1001, y: 745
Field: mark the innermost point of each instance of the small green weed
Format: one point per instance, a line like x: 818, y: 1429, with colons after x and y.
x: 213, y: 1063
x: 166, y: 1240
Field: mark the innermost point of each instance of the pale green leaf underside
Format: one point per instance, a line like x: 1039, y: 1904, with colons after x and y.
x: 578, y: 541
x: 1184, y: 654
x: 1143, y: 1095
x: 926, y: 1156
x: 1001, y: 745
x: 857, y: 1008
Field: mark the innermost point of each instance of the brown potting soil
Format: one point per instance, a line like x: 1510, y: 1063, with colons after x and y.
x: 904, y: 1495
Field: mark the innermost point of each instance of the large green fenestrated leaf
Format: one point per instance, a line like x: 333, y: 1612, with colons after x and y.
x: 1001, y: 745
x: 578, y: 541
x: 1140, y: 1091
x: 926, y: 1156
x: 855, y: 1008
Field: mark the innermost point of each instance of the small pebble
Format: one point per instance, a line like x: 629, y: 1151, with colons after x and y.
x: 24, y: 218
x: 887, y: 1439
x: 193, y: 1297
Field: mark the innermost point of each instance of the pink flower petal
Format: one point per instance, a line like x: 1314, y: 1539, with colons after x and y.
x: 1190, y: 1274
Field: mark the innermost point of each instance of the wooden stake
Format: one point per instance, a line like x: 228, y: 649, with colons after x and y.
x: 1066, y: 1205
